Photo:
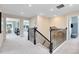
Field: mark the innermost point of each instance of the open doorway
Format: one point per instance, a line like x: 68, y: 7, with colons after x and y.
x: 25, y: 27
x: 12, y: 25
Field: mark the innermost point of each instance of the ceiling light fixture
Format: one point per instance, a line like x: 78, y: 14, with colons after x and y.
x: 51, y: 9
x: 41, y: 14
x: 29, y: 5
x: 22, y: 13
x: 70, y: 4
x: 54, y: 15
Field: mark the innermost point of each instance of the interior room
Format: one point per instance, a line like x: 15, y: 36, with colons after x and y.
x: 39, y: 28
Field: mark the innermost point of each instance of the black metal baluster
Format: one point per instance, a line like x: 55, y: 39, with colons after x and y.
x: 34, y: 35
x: 28, y: 34
x: 51, y: 44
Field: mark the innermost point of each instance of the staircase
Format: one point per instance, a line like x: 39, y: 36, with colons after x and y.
x: 37, y: 37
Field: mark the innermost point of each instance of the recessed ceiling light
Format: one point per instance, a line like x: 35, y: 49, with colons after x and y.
x: 22, y: 13
x: 21, y: 9
x: 41, y: 14
x: 70, y: 4
x: 29, y: 5
x: 51, y: 9
x: 54, y: 15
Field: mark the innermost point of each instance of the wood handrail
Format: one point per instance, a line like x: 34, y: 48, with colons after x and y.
x: 42, y: 35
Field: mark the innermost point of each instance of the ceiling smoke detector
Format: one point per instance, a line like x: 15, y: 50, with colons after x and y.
x: 60, y: 6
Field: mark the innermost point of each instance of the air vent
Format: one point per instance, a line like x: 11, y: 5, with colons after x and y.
x: 60, y: 6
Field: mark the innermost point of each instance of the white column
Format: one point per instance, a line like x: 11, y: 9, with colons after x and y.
x: 4, y: 27
x: 21, y: 27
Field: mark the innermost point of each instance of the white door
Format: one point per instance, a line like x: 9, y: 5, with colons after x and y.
x: 73, y: 27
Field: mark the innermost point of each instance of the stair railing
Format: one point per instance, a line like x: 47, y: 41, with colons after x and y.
x: 50, y: 41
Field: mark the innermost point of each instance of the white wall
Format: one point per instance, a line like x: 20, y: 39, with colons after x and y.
x: 21, y: 26
x: 59, y: 21
x: 33, y: 22
x: 43, y: 24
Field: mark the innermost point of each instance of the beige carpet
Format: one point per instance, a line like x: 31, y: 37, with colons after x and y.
x: 68, y: 47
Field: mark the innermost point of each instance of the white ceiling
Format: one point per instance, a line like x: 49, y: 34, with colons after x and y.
x: 37, y: 9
